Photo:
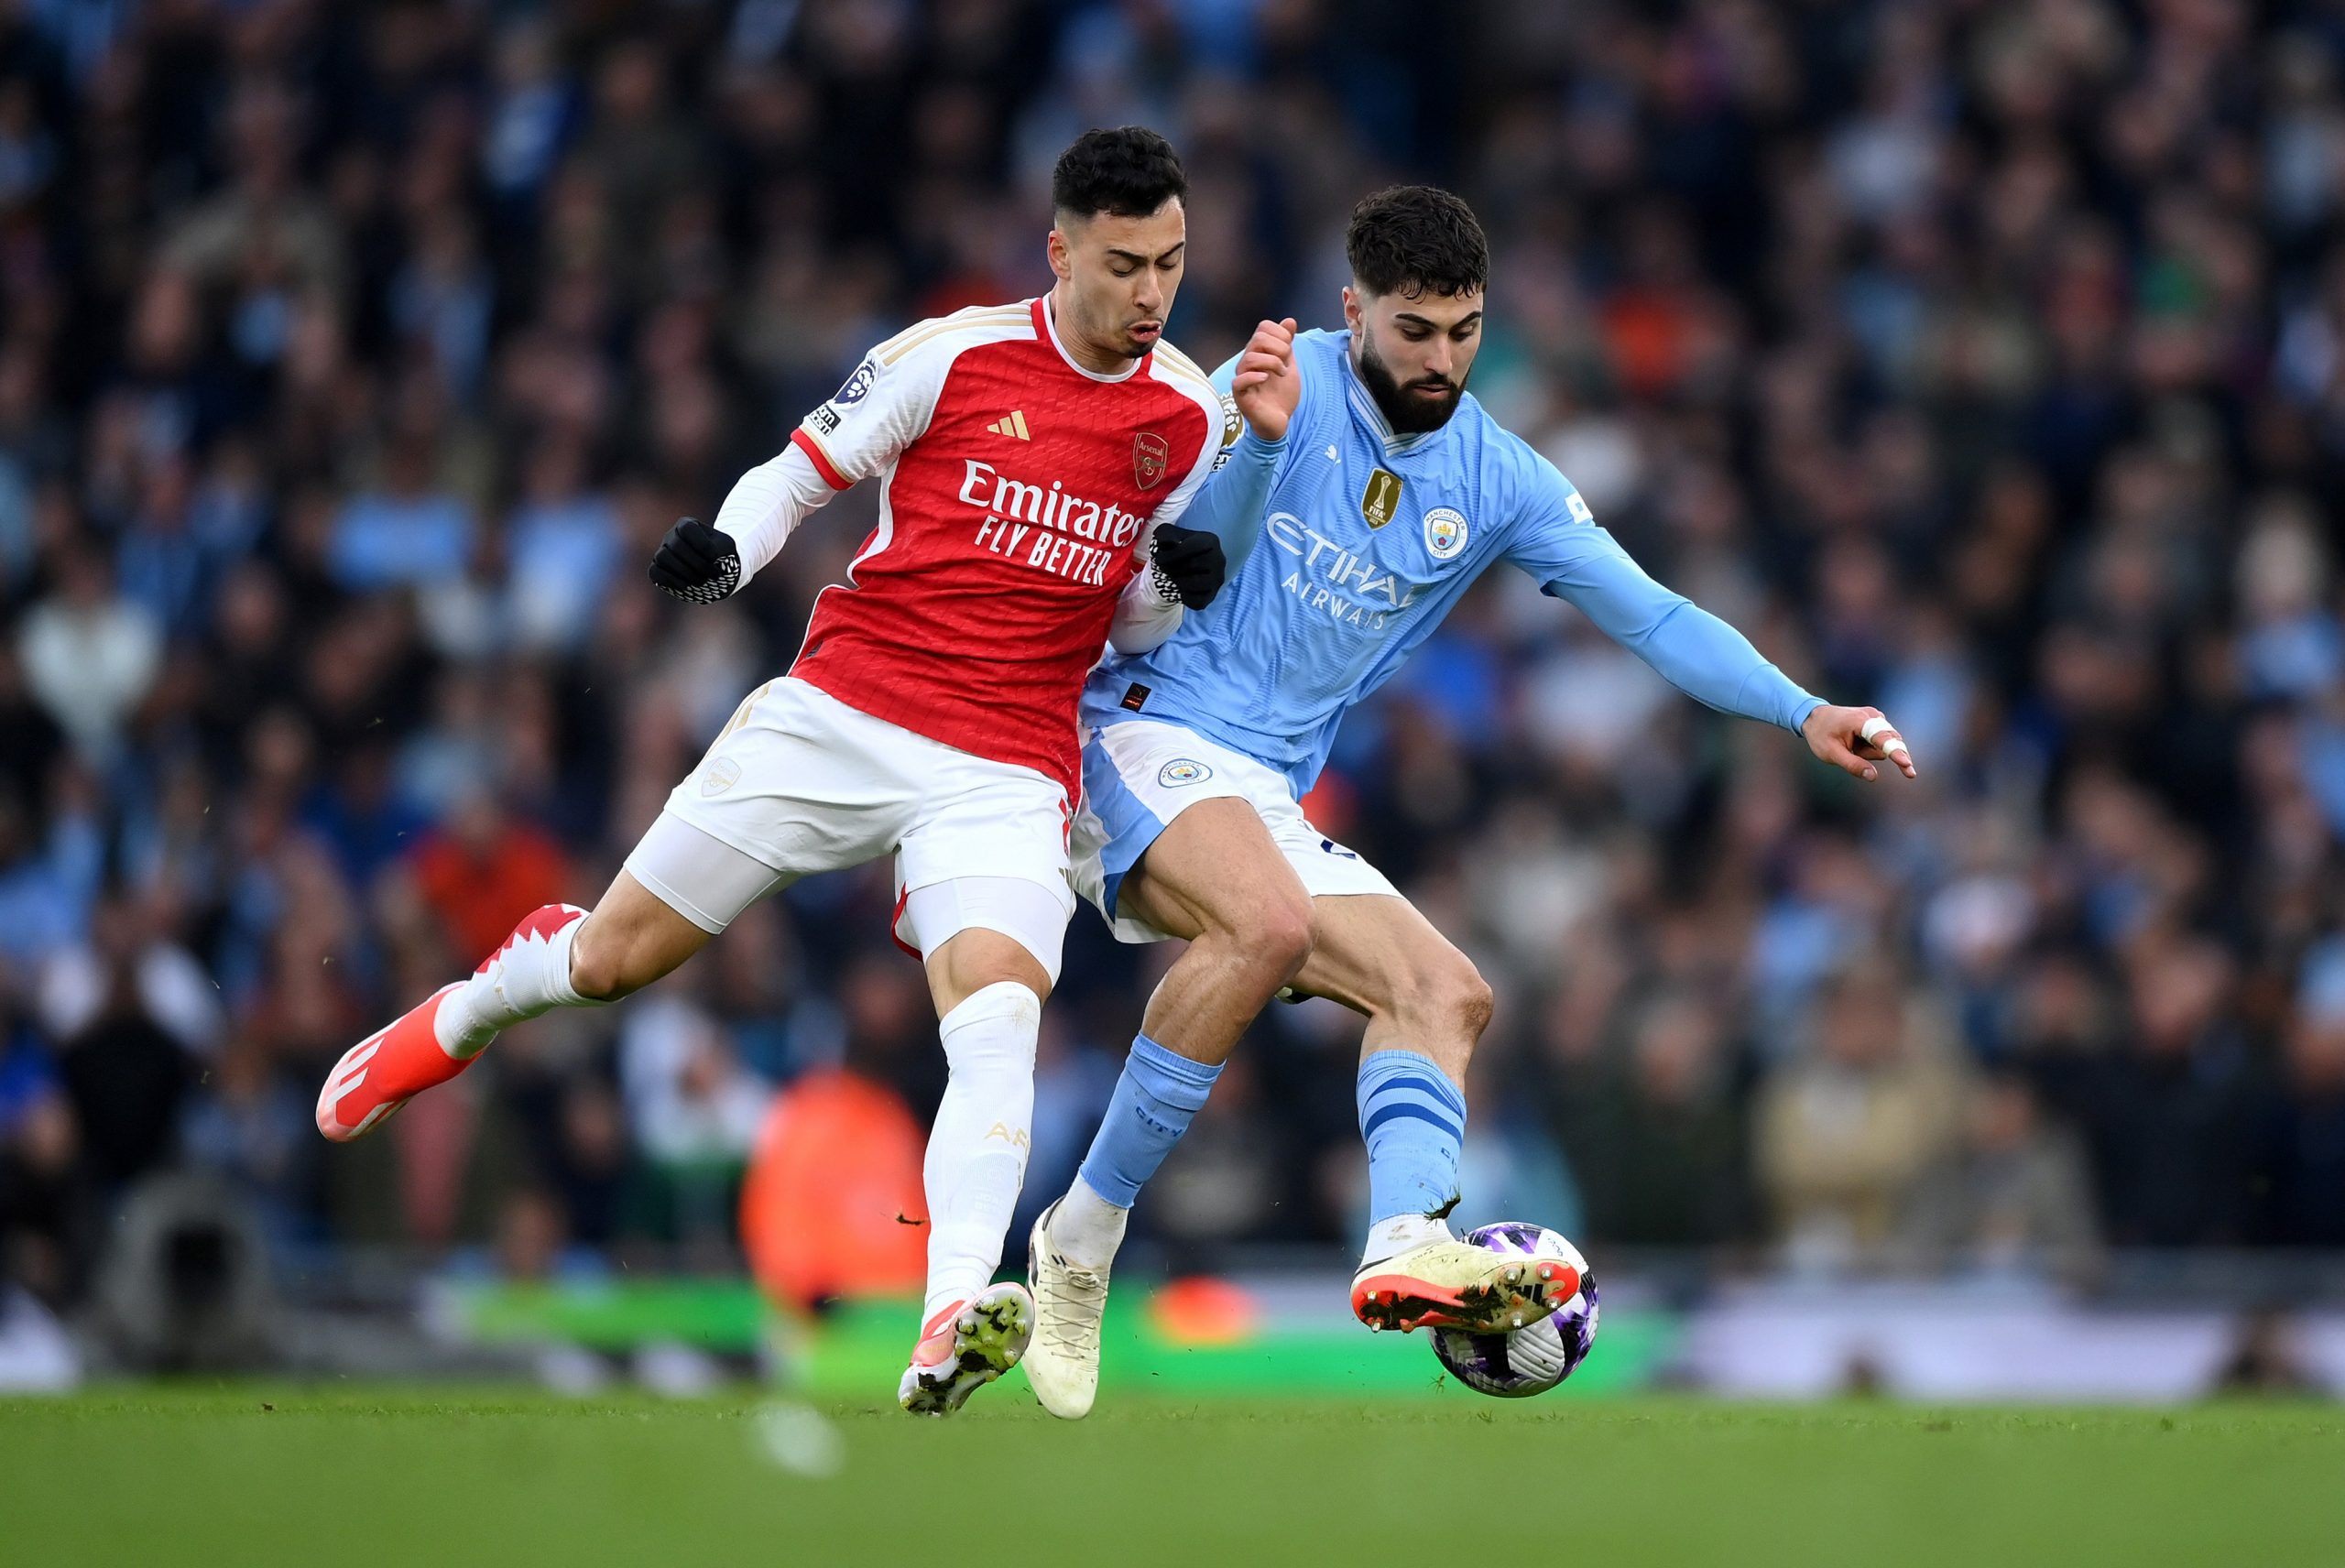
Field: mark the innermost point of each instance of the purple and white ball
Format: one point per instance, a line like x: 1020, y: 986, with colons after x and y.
x: 1538, y: 1355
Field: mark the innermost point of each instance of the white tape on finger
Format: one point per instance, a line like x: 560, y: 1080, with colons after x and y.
x: 1876, y: 727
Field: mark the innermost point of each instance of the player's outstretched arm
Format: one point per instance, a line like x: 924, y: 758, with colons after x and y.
x: 881, y: 407
x: 1558, y: 542
x: 1711, y: 662
x: 1186, y: 570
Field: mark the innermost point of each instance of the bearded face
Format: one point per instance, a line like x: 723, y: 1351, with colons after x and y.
x: 1413, y: 353
x: 1410, y: 407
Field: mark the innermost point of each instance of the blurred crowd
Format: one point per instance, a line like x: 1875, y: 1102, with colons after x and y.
x: 1984, y: 359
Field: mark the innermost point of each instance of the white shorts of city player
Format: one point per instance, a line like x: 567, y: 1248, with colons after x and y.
x: 1139, y: 775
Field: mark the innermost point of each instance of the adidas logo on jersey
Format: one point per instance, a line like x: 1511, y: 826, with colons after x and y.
x: 1013, y: 424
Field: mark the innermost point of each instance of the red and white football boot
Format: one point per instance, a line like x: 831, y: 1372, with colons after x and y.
x: 965, y: 1346
x: 386, y: 1070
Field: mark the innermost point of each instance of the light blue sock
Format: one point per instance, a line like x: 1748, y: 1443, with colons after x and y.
x: 1158, y: 1094
x: 1413, y: 1119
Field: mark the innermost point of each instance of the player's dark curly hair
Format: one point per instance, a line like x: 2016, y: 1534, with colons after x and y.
x: 1129, y: 172
x: 1415, y: 240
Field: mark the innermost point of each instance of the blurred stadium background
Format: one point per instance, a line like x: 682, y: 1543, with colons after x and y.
x: 1986, y: 361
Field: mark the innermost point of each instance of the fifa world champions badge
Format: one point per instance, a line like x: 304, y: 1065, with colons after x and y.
x: 1151, y: 457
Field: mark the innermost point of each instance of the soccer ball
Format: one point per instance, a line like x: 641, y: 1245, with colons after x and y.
x: 1538, y: 1355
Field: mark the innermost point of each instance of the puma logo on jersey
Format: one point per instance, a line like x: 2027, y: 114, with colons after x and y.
x: 1012, y: 424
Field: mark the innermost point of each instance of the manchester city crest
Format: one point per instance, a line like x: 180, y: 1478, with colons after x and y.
x: 1183, y: 770
x: 1444, y: 532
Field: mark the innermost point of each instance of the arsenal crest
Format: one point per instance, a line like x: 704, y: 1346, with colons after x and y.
x: 1151, y: 458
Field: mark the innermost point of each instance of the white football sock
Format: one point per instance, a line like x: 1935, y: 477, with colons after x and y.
x: 1389, y: 1238
x: 1086, y: 1229
x: 976, y: 1151
x: 528, y: 975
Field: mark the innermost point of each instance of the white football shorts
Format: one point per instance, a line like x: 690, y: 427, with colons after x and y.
x: 1140, y: 774
x: 798, y: 782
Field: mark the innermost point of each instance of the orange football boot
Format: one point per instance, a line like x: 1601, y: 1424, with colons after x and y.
x: 1446, y: 1284
x: 385, y: 1071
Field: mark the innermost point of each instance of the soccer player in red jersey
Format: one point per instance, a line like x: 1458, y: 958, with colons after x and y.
x: 1032, y: 460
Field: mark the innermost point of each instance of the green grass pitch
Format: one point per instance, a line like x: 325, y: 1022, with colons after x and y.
x: 339, y: 1475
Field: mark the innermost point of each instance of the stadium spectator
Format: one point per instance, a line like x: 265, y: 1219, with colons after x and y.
x: 2304, y: 1124
x: 485, y: 870
x: 1656, y: 1139
x: 2015, y: 1200
x: 89, y: 654
x: 1845, y: 1134
x: 2168, y: 1115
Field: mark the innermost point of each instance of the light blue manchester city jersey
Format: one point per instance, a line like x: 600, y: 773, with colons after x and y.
x: 1366, y: 539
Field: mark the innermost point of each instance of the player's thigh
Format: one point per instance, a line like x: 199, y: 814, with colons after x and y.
x: 981, y: 877
x: 1215, y: 867
x: 796, y: 782
x: 802, y: 783
x: 1377, y: 954
x: 976, y: 931
x: 1171, y: 841
x: 682, y: 875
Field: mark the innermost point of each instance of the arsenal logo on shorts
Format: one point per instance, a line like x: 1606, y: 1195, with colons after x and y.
x: 1151, y: 458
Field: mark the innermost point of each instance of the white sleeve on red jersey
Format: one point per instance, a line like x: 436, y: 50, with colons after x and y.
x: 767, y: 505
x: 1143, y: 618
x: 880, y: 409
x: 887, y: 401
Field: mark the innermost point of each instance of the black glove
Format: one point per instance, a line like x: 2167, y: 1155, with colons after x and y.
x: 1187, y: 564
x: 696, y: 563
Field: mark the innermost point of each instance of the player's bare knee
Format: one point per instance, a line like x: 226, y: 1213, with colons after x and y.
x: 592, y: 975
x: 1446, y: 1002
x: 1277, y: 935
x: 598, y: 969
x: 1470, y: 1003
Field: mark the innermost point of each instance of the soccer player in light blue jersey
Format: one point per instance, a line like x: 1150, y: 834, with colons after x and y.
x: 1350, y: 537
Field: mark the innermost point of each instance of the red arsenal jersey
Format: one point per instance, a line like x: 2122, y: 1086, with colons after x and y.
x: 1016, y: 492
